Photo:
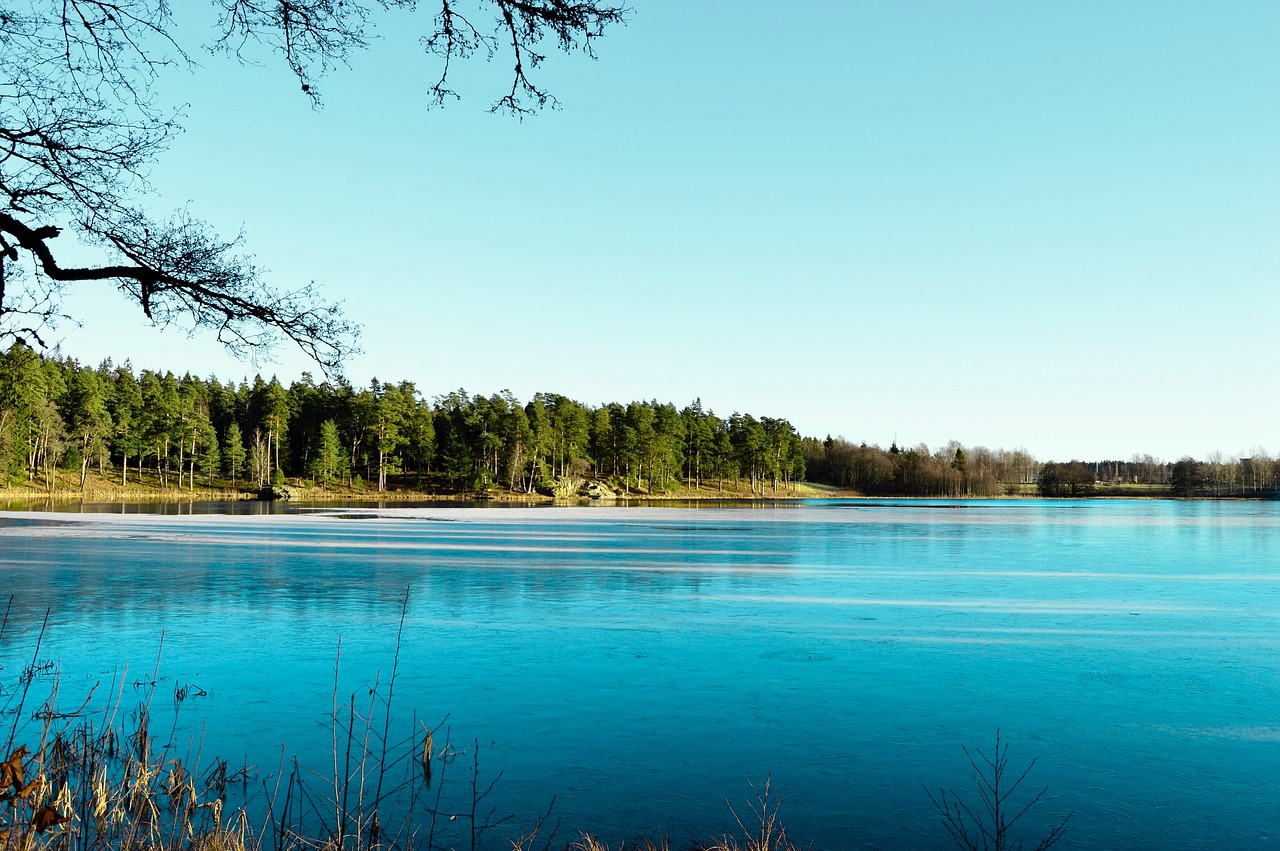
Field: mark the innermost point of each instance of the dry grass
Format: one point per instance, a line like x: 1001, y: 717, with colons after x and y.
x: 761, y: 830
x: 94, y: 778
x: 145, y: 486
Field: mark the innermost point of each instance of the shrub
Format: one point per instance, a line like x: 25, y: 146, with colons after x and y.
x: 987, y: 824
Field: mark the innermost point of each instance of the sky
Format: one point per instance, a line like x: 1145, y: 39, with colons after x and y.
x: 1048, y: 225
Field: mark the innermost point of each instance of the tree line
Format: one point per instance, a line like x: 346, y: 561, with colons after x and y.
x: 950, y: 471
x: 59, y: 415
x: 957, y: 471
x: 1217, y: 476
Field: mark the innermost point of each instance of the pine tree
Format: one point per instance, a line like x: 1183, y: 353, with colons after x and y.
x: 87, y: 418
x: 326, y: 462
x: 233, y: 452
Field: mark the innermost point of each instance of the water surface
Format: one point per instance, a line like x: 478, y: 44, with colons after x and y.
x: 646, y: 664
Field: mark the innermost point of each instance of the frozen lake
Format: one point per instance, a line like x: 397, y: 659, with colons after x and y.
x: 644, y: 664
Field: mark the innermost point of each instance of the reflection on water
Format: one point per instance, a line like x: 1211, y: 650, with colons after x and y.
x: 240, y: 506
x: 644, y: 664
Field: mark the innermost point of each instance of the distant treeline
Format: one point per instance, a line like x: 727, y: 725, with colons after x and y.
x: 57, y: 414
x: 952, y: 470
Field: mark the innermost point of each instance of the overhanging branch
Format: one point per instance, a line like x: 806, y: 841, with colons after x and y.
x: 180, y: 271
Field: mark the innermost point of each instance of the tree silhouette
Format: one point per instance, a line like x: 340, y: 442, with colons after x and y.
x: 80, y: 123
x: 1073, y: 479
x: 1187, y: 478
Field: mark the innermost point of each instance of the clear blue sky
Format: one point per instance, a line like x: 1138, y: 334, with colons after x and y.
x: 1050, y: 225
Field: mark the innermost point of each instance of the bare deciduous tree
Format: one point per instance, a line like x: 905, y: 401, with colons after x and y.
x: 80, y: 123
x: 987, y: 824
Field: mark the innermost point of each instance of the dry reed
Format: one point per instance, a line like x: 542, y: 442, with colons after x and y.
x: 94, y: 778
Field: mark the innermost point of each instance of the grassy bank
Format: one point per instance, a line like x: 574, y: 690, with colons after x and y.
x: 147, y: 487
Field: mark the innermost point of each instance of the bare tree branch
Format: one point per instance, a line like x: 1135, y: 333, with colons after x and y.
x: 80, y: 125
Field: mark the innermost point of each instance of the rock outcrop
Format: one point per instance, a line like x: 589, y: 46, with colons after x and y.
x: 597, y: 490
x: 274, y: 492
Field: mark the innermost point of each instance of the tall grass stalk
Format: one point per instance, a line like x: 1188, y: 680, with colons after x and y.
x: 98, y: 778
x: 94, y: 780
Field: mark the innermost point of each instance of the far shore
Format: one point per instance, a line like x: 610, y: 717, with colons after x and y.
x: 100, y: 490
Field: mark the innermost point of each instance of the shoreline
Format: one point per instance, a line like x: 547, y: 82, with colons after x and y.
x: 101, y: 491
x: 19, y: 499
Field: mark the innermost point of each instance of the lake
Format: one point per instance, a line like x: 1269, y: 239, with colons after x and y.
x: 644, y: 665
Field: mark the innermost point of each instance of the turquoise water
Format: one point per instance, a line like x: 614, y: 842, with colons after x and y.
x: 643, y: 665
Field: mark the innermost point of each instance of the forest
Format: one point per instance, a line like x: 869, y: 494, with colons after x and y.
x: 60, y: 419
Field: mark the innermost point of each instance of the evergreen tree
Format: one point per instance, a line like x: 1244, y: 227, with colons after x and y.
x: 698, y: 440
x: 326, y: 462
x: 667, y: 457
x: 208, y: 457
x: 233, y: 452
x: 392, y: 409
x: 21, y: 389
x: 453, y: 447
x: 88, y: 421
x: 125, y: 406
x: 602, y: 442
x: 47, y: 437
x: 517, y: 438
x: 274, y: 421
x: 542, y: 442
x: 421, y: 434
